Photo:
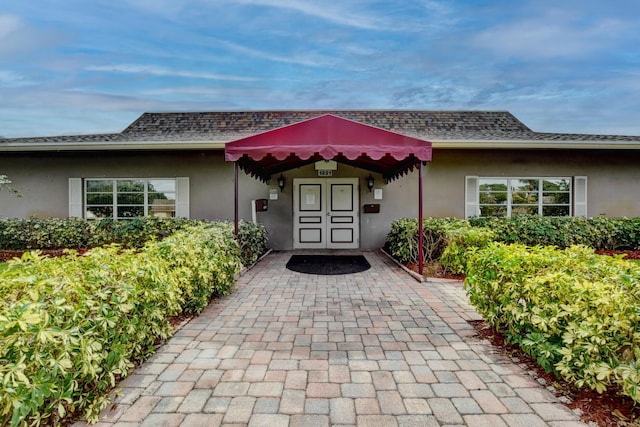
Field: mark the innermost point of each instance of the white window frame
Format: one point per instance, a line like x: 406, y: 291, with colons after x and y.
x: 78, y: 195
x: 577, y: 194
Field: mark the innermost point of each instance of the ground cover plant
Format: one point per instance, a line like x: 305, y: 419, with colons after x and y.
x: 72, y: 326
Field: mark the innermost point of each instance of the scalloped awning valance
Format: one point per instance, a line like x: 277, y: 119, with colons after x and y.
x: 328, y: 137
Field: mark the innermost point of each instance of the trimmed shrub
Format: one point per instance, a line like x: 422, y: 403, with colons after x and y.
x: 597, y: 233
x: 575, y: 312
x: 253, y: 241
x: 402, y: 239
x: 70, y: 327
x: 204, y: 261
x: 454, y: 257
x: 135, y: 232
x: 76, y: 233
x: 54, y: 233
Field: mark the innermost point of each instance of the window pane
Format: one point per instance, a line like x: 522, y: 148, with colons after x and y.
x: 493, y: 184
x: 131, y: 198
x: 524, y: 198
x: 496, y: 198
x: 524, y: 184
x: 99, y: 185
x: 130, y: 211
x: 162, y: 185
x: 555, y: 210
x: 493, y: 192
x: 556, y: 184
x: 162, y: 197
x: 130, y: 185
x: 556, y: 199
x: 99, y: 212
x: 163, y: 211
x: 99, y: 199
x: 524, y: 210
x: 493, y: 211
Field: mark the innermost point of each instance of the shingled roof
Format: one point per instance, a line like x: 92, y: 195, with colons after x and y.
x: 225, y: 126
x: 233, y: 125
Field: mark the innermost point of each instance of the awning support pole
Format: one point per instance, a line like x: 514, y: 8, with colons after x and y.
x: 420, y: 237
x: 235, y: 199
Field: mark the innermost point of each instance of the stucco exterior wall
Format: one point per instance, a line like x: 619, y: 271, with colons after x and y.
x: 42, y: 178
x: 613, y: 176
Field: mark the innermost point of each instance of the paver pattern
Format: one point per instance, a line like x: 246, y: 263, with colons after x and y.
x: 375, y: 348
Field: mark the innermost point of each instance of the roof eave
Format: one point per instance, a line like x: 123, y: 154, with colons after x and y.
x: 534, y: 144
x: 113, y: 146
x: 476, y: 144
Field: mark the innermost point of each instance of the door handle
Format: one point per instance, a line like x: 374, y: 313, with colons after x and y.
x: 328, y: 213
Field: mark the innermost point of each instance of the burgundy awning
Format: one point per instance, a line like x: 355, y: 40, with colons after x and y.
x: 328, y: 137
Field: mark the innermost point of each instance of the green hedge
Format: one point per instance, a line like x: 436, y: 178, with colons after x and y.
x: 253, y: 241
x: 596, y: 233
x: 70, y: 327
x: 576, y: 312
x: 448, y: 239
x: 75, y: 233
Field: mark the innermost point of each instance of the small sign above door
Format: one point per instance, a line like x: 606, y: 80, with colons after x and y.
x: 327, y: 165
x: 322, y: 172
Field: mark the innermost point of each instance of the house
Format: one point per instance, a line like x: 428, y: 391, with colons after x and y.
x: 472, y: 163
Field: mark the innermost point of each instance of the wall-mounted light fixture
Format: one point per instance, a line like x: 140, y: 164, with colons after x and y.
x: 370, y: 182
x: 281, y: 182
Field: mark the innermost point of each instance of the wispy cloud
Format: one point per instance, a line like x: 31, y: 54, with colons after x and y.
x: 334, y: 12
x: 310, y: 59
x: 9, y: 24
x: 165, y: 72
x: 12, y: 79
x: 554, y: 34
x: 18, y: 38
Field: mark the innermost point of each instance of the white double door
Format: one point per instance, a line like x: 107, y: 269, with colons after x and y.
x: 325, y: 213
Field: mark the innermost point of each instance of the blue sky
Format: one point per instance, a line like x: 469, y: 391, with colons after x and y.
x: 78, y: 66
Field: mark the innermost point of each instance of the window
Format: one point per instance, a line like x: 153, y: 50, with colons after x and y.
x: 508, y: 197
x: 95, y: 198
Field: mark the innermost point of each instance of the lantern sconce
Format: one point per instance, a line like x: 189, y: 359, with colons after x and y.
x: 370, y: 182
x: 281, y: 183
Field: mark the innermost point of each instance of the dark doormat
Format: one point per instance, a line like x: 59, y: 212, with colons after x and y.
x: 328, y: 264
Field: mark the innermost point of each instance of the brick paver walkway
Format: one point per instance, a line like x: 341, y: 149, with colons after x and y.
x: 369, y: 349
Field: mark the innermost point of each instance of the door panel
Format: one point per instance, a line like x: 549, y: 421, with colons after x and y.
x: 326, y: 213
x: 341, y: 197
